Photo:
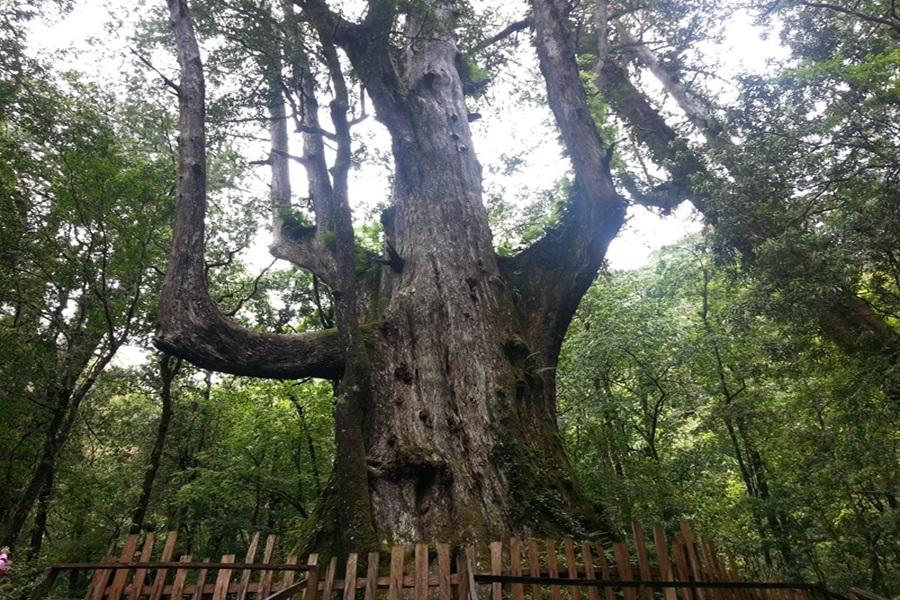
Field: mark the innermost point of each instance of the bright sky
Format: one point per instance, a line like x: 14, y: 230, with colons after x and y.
x: 99, y: 30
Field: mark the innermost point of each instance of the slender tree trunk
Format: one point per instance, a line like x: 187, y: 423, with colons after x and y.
x: 61, y: 424
x: 41, y: 516
x: 168, y: 370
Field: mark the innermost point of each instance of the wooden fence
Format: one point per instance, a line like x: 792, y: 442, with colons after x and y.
x: 687, y: 568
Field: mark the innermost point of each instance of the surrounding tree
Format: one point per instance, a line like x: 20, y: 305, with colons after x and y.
x: 680, y: 400
x: 84, y: 216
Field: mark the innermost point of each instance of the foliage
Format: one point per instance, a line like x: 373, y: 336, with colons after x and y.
x: 655, y: 435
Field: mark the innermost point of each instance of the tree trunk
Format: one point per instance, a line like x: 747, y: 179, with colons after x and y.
x: 168, y: 369
x: 61, y: 423
x: 41, y: 516
x: 445, y: 418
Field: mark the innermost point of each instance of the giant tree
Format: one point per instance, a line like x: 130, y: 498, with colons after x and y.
x: 445, y: 410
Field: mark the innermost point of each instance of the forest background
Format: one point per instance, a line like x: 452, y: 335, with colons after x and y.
x: 705, y: 385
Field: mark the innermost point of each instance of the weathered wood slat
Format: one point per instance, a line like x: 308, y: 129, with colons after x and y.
x: 640, y: 548
x: 98, y: 582
x: 693, y: 563
x: 180, y: 579
x: 350, y: 576
x: 223, y: 579
x: 330, y: 573
x: 395, y: 586
x: 445, y: 580
x: 246, y: 573
x: 589, y: 572
x: 312, y: 578
x: 682, y: 572
x: 265, y: 578
x: 201, y: 581
x: 372, y: 576
x: 159, y: 581
x: 462, y: 570
x: 496, y: 550
x: 137, y: 582
x: 572, y: 566
x: 287, y: 579
x: 623, y: 568
x: 121, y: 577
x: 552, y: 568
x: 604, y: 569
x: 534, y: 569
x: 662, y: 559
x: 515, y: 567
x: 420, y: 591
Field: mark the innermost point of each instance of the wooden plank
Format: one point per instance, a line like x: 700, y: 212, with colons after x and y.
x: 98, y: 582
x: 444, y: 580
x: 682, y: 572
x: 462, y: 576
x: 180, y: 579
x: 640, y: 548
x: 662, y: 559
x: 589, y: 572
x: 395, y: 577
x: 265, y: 577
x: 470, y: 573
x: 515, y: 567
x: 328, y: 588
x: 420, y: 591
x: 372, y: 576
x: 496, y: 550
x: 121, y: 577
x: 534, y: 569
x: 287, y: 579
x: 552, y: 568
x: 137, y: 582
x: 223, y: 579
x: 350, y: 577
x: 312, y: 578
x: 201, y: 581
x: 693, y: 563
x: 572, y: 566
x: 159, y: 581
x: 608, y: 592
x: 623, y: 567
x: 249, y: 557
x: 709, y: 570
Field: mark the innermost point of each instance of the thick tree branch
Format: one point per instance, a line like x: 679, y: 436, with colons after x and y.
x: 892, y: 23
x: 696, y: 112
x: 502, y: 35
x: 843, y: 316
x: 191, y: 326
x: 650, y: 129
x: 554, y: 273
x: 301, y: 245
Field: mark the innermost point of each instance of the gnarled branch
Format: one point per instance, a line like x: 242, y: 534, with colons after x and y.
x: 191, y: 326
x: 553, y: 274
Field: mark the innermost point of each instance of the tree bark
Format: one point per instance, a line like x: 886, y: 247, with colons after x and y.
x: 41, y: 517
x: 445, y: 416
